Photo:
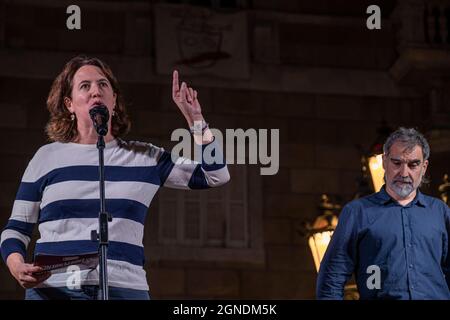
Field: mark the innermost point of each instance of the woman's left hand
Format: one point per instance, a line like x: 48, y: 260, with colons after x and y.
x: 186, y: 99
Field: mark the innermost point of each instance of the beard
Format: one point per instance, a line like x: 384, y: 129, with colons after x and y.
x: 403, y: 187
x: 403, y: 190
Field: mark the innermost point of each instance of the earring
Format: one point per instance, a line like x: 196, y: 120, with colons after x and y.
x: 72, y: 116
x: 114, y: 112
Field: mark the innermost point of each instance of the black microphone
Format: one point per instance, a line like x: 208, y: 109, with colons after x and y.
x: 100, y: 116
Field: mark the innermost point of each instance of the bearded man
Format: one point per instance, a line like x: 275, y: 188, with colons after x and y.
x: 395, y: 241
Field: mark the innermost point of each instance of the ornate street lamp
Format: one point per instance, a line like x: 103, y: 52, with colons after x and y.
x: 319, y: 236
x: 376, y: 171
x: 374, y: 159
x: 320, y: 231
x: 444, y: 189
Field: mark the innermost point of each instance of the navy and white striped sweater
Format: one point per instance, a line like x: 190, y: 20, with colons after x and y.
x: 60, y: 191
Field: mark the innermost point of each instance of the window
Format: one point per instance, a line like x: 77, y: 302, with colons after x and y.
x: 218, y: 224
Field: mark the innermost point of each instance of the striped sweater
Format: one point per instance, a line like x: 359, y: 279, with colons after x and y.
x: 59, y: 191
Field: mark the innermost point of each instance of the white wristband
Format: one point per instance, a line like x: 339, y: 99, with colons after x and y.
x: 199, y: 126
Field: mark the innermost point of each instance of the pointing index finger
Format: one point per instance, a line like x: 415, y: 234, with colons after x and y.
x: 175, y: 84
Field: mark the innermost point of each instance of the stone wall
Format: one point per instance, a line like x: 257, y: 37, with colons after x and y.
x: 321, y: 123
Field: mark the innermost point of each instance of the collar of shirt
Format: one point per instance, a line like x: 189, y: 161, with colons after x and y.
x: 382, y: 197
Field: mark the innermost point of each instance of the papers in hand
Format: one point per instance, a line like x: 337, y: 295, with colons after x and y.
x: 49, y: 262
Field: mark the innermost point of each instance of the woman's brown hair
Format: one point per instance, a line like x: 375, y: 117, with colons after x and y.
x: 61, y: 127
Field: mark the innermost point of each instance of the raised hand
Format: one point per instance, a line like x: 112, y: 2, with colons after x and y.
x: 186, y: 99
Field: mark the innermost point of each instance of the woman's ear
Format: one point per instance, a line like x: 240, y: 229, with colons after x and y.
x: 68, y: 104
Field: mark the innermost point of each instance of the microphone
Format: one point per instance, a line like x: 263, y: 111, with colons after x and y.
x: 100, y: 116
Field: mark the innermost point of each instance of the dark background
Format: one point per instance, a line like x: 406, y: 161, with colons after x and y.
x: 317, y: 74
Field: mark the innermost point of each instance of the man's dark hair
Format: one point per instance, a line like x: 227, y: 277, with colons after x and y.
x: 411, y: 138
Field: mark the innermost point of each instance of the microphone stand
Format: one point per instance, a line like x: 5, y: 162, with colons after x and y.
x: 103, y: 219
